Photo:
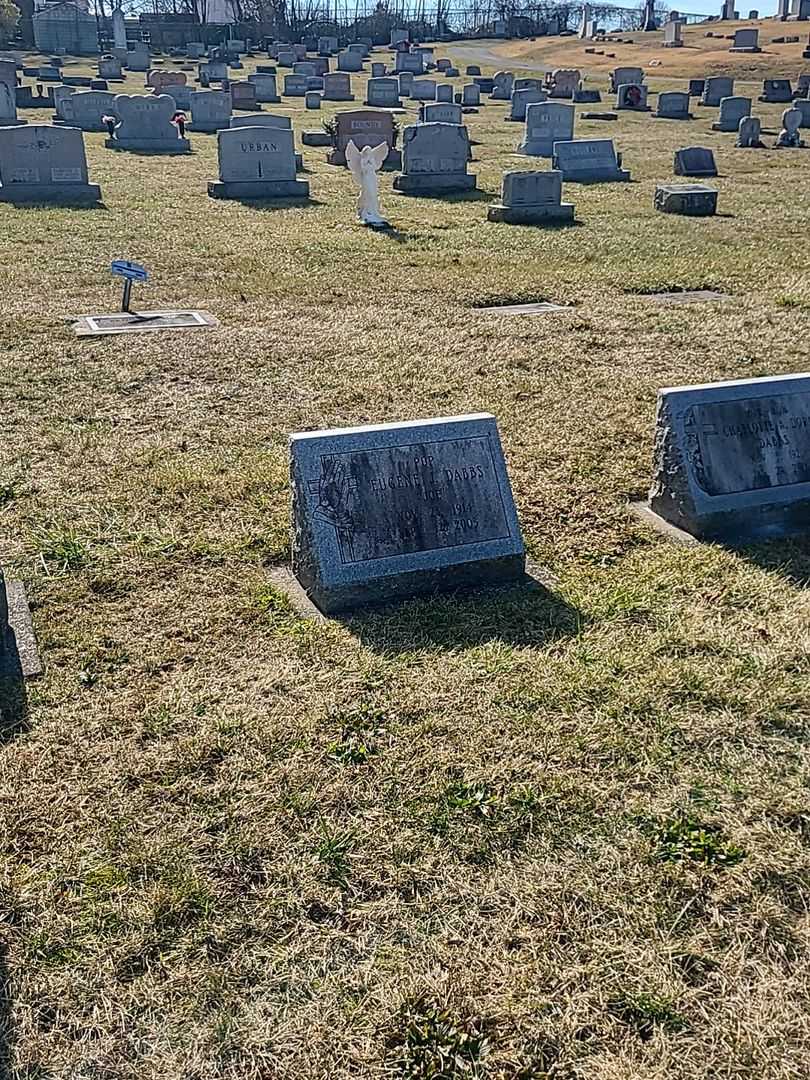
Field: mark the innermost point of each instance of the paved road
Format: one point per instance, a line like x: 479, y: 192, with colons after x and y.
x: 472, y: 53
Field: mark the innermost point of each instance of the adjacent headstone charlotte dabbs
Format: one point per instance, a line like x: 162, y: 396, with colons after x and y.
x: 393, y: 510
x: 732, y: 459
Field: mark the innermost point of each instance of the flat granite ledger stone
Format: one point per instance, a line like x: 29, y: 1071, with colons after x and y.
x: 692, y: 200
x: 389, y: 511
x: 732, y: 459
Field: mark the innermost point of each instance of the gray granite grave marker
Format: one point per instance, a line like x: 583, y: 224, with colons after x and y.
x: 732, y: 111
x: 732, y: 459
x: 210, y: 110
x: 385, y: 512
x: 691, y: 200
x: 531, y: 198
x: 588, y: 161
x: 546, y: 123
x: 434, y: 160
x: 694, y: 161
x: 145, y: 124
x: 40, y: 163
x: 257, y: 163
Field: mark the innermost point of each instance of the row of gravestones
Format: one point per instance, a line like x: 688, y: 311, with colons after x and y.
x: 385, y: 512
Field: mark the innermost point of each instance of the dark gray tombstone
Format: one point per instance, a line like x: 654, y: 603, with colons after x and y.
x: 694, y: 161
x: 390, y: 511
x: 732, y: 459
x: 692, y: 200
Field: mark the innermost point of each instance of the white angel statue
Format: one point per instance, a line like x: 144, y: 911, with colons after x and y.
x: 364, y: 165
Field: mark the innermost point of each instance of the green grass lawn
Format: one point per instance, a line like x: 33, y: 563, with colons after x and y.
x: 499, y: 836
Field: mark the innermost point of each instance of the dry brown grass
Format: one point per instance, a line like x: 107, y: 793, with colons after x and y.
x: 237, y: 844
x: 699, y: 56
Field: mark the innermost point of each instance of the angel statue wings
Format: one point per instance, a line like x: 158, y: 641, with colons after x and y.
x: 364, y: 165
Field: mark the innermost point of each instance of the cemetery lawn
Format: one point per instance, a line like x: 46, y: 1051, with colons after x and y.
x: 504, y: 836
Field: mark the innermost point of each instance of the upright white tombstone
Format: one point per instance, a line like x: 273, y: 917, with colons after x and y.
x: 119, y: 28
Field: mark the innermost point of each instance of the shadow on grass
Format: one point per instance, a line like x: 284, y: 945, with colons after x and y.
x: 6, y: 1028
x: 13, y: 696
x: 277, y: 204
x: 789, y: 557
x: 524, y: 614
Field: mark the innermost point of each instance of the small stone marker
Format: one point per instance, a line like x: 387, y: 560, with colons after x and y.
x: 210, y: 110
x: 748, y: 133
x: 692, y: 200
x: 40, y: 163
x: 673, y: 105
x: 588, y: 161
x: 789, y: 135
x: 521, y: 99
x: 434, y: 160
x: 265, y: 88
x: 444, y: 92
x: 564, y: 81
x: 715, y: 89
x: 364, y: 127
x: 337, y: 86
x: 383, y: 94
x: 732, y: 111
x: 110, y: 68
x: 405, y: 83
x: 547, y: 122
x: 243, y: 96
x: 295, y: 85
x: 625, y: 76
x: 672, y: 35
x: 502, y: 83
x: 312, y: 99
x: 802, y: 105
x: 19, y: 657
x: 694, y: 161
x: 746, y: 41
x: 389, y: 511
x: 777, y: 91
x: 138, y: 58
x: 732, y: 459
x: 145, y: 124
x: 257, y: 163
x: 441, y: 113
x: 531, y: 198
x: 470, y: 96
x: 696, y: 87
x: 349, y: 61
x: 410, y: 62
x: 632, y: 96
x: 423, y: 90
x: 87, y: 107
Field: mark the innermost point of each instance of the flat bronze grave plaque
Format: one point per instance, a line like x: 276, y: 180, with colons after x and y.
x: 123, y: 322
